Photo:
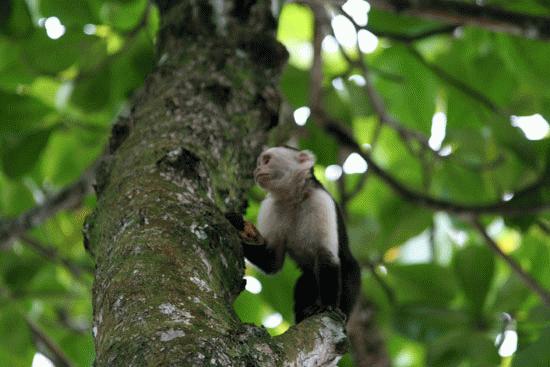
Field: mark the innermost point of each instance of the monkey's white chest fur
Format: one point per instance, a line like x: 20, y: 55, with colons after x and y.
x: 306, y: 229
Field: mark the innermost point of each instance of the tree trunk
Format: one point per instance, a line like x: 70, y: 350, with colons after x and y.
x: 168, y: 264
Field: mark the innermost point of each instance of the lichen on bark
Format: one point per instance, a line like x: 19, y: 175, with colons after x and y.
x: 168, y: 264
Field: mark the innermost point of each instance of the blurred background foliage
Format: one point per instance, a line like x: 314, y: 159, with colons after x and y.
x: 441, y: 296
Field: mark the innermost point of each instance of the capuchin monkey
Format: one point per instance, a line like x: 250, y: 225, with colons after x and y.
x: 299, y: 217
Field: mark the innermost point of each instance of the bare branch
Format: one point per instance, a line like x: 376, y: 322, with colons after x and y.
x: 459, y: 12
x: 52, y: 254
x: 458, y: 84
x: 506, y: 208
x: 345, y: 138
x: 527, y: 279
x: 56, y: 354
x: 365, y: 337
x: 69, y: 197
x: 377, y: 102
x: 411, y: 38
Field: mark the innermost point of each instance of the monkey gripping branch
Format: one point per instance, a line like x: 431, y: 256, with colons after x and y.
x: 168, y: 263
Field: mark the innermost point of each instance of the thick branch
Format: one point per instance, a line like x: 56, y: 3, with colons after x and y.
x: 69, y: 197
x: 319, y: 340
x: 488, y: 17
x: 527, y: 279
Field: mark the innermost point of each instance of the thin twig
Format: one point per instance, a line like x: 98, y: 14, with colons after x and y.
x: 527, y: 279
x: 385, y: 287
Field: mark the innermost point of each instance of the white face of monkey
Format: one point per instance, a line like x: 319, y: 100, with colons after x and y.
x: 279, y: 169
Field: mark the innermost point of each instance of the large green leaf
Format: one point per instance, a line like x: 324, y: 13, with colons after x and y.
x: 294, y: 84
x: 430, y: 284
x: 70, y: 14
x: 16, y: 349
x: 457, y: 347
x: 121, y: 14
x: 21, y: 156
x: 474, y: 267
x: 15, y: 197
x: 51, y: 56
x: 536, y: 354
x: 428, y: 323
x: 19, y: 113
x: 412, y: 100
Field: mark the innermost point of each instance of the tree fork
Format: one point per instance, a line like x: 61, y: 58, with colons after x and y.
x: 168, y: 263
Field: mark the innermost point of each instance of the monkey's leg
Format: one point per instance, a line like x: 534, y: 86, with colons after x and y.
x: 305, y: 296
x: 329, y: 281
x: 351, y: 283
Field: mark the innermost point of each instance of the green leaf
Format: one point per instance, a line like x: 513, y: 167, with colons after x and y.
x: 20, y: 113
x: 535, y: 354
x: 428, y: 283
x: 21, y: 157
x: 474, y: 267
x: 19, y: 23
x: 68, y: 12
x: 52, y: 56
x: 457, y: 347
x: 16, y: 349
x: 123, y: 15
x: 294, y: 84
x: 93, y: 93
x: 412, y: 100
x: 400, y: 221
x: 323, y: 145
x: 69, y: 153
x: 15, y: 197
x: 383, y: 20
x: 427, y: 323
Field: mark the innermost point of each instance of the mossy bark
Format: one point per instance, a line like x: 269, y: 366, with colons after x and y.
x: 169, y: 265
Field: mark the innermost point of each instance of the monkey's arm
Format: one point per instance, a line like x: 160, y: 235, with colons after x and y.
x: 256, y: 248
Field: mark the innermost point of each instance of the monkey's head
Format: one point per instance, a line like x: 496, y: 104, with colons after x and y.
x: 281, y: 169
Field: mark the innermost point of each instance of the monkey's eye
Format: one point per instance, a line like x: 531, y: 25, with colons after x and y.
x: 266, y: 158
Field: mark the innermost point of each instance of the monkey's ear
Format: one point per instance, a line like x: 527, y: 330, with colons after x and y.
x: 306, y: 159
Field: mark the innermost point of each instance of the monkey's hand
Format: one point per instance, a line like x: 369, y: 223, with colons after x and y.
x: 250, y: 235
x: 247, y: 231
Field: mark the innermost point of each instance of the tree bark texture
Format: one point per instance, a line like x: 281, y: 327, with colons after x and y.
x: 168, y: 263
